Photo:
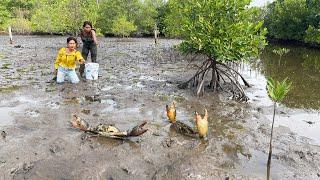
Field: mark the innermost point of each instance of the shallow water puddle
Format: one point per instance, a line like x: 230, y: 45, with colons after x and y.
x: 258, y: 93
x: 304, y: 124
x: 111, y: 105
x: 32, y: 113
x: 150, y: 78
x: 107, y: 88
x: 257, y: 166
x: 6, y: 114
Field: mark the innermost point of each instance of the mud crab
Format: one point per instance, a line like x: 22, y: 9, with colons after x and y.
x: 106, y: 130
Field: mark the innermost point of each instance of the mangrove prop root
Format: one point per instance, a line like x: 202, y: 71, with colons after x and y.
x: 220, y: 72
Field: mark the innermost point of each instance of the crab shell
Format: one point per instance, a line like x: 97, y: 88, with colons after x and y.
x: 78, y: 123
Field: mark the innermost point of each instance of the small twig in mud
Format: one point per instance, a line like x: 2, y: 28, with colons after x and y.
x: 309, y: 122
x: 3, y: 134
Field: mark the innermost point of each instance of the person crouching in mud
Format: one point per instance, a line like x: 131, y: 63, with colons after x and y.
x: 89, y: 40
x: 65, y: 63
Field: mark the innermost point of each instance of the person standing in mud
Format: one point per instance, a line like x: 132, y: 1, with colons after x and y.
x: 89, y: 40
x: 65, y: 63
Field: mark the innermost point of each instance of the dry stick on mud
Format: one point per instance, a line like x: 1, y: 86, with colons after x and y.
x: 155, y: 34
x: 10, y: 35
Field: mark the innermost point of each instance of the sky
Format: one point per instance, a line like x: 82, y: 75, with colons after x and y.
x: 260, y: 2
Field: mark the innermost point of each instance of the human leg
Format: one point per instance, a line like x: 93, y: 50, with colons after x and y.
x: 93, y: 51
x: 73, y: 76
x: 84, y: 53
x: 61, y: 75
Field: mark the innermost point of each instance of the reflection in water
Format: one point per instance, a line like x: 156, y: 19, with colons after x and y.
x: 311, y: 62
x: 302, y: 67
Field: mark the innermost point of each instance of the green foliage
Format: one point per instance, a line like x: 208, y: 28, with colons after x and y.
x: 311, y: 62
x: 16, y: 11
x: 19, y: 4
x: 216, y: 28
x: 281, y: 51
x: 286, y: 19
x: 293, y: 20
x: 162, y: 11
x: 21, y: 25
x: 44, y: 20
x: 258, y: 13
x: 5, y: 16
x: 123, y: 27
x: 142, y: 13
x: 146, y: 18
x: 278, y: 90
x: 312, y: 35
x: 67, y: 16
x: 63, y: 15
x: 108, y: 11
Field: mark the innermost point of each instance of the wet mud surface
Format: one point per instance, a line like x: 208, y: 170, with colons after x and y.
x: 137, y: 81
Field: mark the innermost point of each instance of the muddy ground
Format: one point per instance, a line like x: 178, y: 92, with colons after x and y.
x: 138, y: 80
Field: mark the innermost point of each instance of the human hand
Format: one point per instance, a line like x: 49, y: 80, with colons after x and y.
x: 81, y: 61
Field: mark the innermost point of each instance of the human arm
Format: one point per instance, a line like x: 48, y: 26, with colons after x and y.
x: 94, y: 36
x: 81, y: 61
x: 58, y: 59
x: 79, y: 58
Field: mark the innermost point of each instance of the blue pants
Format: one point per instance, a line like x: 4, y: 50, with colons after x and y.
x: 67, y: 74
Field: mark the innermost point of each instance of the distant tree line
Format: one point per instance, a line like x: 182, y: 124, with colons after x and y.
x: 297, y: 20
x: 116, y: 17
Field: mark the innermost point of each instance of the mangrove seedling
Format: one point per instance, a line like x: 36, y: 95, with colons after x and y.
x: 280, y: 52
x: 276, y: 91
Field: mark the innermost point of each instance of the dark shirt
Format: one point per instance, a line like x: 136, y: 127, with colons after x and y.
x: 86, y: 38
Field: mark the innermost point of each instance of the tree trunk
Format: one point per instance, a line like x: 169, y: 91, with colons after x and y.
x: 270, y: 145
x: 10, y: 35
x: 214, y: 75
x: 155, y: 34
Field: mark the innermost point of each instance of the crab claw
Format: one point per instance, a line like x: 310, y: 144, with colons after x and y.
x: 138, y: 130
x: 78, y: 123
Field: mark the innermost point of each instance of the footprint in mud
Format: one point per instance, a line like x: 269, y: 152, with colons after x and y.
x: 3, y: 134
x: 140, y: 85
x: 107, y: 88
x: 53, y: 105
x: 51, y: 88
x: 54, y: 148
x: 93, y: 98
x: 20, y: 171
x: 167, y: 143
x: 32, y: 113
x: 86, y: 111
x: 112, y: 105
